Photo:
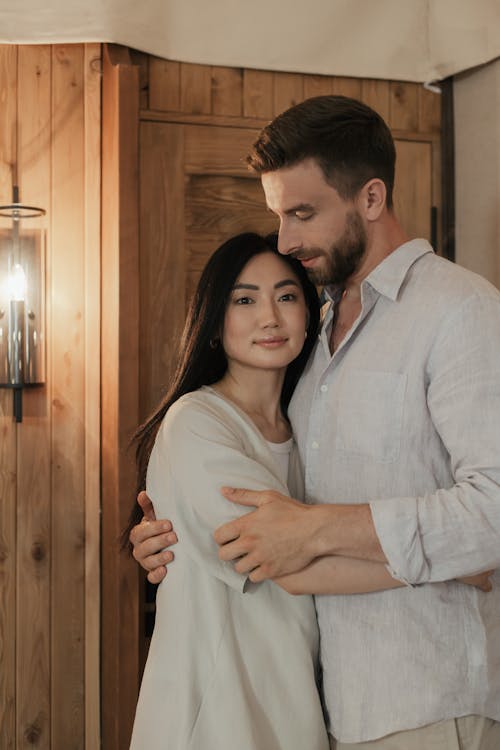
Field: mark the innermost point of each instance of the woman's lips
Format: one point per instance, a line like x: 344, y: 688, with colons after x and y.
x: 271, y: 343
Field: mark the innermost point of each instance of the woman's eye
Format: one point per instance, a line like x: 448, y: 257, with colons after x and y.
x: 243, y: 301
x: 288, y: 297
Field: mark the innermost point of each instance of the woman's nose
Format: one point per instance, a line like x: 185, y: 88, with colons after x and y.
x: 269, y: 314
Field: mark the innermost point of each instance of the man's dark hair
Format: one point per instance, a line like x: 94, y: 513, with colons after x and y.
x: 350, y: 142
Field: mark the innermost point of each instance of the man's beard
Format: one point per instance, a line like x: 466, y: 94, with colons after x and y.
x: 343, y: 258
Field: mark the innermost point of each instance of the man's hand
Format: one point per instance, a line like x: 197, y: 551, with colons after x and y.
x: 149, y: 539
x: 273, y: 540
x: 480, y: 580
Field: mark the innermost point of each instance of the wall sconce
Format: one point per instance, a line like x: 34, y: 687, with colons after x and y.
x: 22, y: 299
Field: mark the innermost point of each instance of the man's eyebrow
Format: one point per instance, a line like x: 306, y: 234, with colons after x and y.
x: 294, y: 209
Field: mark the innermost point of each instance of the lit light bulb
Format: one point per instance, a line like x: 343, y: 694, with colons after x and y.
x: 16, y: 284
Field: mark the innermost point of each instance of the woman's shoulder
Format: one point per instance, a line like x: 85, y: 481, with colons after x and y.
x: 204, y: 413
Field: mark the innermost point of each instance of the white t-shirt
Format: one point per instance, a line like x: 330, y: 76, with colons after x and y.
x: 232, y: 665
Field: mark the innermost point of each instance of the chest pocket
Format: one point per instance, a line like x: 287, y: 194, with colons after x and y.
x: 370, y: 414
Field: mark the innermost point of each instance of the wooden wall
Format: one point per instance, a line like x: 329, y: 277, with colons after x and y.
x: 49, y: 464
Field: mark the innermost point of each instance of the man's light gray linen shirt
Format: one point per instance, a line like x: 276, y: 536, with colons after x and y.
x: 406, y: 416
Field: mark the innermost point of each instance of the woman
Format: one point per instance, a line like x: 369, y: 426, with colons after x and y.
x: 231, y: 664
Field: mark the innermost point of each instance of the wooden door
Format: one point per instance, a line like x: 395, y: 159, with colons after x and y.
x: 195, y: 192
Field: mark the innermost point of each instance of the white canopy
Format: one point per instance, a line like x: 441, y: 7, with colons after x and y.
x: 415, y: 40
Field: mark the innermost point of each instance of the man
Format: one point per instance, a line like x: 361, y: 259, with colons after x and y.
x: 397, y: 418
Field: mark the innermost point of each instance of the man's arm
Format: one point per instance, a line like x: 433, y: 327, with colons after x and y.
x: 283, y: 536
x: 441, y: 535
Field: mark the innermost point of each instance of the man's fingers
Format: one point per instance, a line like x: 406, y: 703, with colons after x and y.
x: 146, y: 506
x: 227, y: 533
x: 242, y: 496
x: 232, y: 550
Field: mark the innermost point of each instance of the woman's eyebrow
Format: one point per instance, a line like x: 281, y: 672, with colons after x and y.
x: 255, y: 288
x: 285, y: 282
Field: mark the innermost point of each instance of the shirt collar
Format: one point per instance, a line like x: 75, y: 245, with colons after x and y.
x: 388, y: 277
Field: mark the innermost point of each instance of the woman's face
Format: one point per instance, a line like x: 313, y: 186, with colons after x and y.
x: 266, y: 316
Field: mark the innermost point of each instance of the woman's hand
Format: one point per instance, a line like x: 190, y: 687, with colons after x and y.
x: 150, y: 539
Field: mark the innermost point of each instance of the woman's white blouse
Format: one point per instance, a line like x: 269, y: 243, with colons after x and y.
x: 232, y: 665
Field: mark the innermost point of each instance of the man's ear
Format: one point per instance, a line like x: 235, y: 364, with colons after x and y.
x: 372, y: 197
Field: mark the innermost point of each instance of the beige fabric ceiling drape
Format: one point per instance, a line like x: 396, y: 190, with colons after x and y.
x: 417, y: 40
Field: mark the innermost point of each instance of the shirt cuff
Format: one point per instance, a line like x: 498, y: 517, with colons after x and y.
x: 396, y: 525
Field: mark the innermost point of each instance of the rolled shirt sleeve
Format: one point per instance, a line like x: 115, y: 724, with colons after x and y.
x: 455, y: 531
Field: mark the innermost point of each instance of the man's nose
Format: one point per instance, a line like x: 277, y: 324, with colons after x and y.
x: 288, y: 239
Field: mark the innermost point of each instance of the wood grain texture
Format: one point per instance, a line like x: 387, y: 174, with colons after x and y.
x: 413, y: 187
x: 227, y: 91
x: 164, y: 84
x: 347, y: 87
x: 403, y: 106
x: 215, y: 150
x: 120, y: 392
x: 317, y: 86
x: 68, y: 391
x: 195, y: 88
x: 92, y: 249
x: 163, y: 258
x: 8, y: 449
x: 258, y: 93
x: 288, y: 91
x: 376, y: 95
x: 34, y: 552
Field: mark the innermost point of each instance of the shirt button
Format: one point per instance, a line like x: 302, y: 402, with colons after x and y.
x: 324, y: 388
x: 315, y: 445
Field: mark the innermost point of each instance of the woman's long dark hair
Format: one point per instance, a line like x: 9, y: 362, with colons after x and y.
x: 199, y: 362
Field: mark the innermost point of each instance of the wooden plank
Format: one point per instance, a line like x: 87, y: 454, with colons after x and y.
x: 429, y: 111
x: 317, y: 86
x: 195, y: 88
x: 227, y: 91
x: 8, y: 148
x: 347, y: 87
x: 34, y: 485
x: 141, y: 60
x: 403, y: 106
x: 225, y: 121
x: 210, y: 151
x: 120, y: 386
x: 92, y: 251
x: 218, y: 207
x: 376, y: 95
x: 164, y: 84
x: 413, y: 197
x: 288, y: 91
x: 68, y: 392
x: 258, y: 92
x: 163, y: 261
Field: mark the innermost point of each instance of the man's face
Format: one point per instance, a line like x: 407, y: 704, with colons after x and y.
x: 317, y: 226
